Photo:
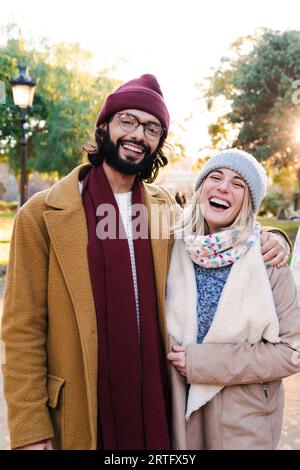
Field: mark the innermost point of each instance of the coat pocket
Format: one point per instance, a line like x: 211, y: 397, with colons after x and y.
x: 54, y: 386
x: 56, y: 404
x: 256, y: 396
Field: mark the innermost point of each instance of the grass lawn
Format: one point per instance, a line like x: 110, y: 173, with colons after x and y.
x: 288, y: 226
x: 7, y: 215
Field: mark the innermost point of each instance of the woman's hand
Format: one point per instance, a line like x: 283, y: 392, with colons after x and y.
x: 177, y: 359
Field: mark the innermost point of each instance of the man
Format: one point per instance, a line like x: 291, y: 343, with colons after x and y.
x: 83, y: 322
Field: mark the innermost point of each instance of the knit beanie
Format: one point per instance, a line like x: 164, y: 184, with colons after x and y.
x: 245, y: 165
x: 143, y: 93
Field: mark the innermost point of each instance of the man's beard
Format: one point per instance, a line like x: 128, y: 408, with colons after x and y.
x: 111, y: 156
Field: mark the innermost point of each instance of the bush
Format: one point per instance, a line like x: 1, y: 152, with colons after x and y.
x: 8, y: 206
x: 272, y: 203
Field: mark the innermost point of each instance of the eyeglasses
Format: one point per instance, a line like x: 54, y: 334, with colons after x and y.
x: 129, y: 122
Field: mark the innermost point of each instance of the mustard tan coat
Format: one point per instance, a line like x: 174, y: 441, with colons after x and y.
x: 49, y: 321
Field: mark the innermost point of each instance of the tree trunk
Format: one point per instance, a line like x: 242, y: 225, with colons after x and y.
x: 26, y: 186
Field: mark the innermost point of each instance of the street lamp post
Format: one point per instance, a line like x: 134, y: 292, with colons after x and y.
x: 23, y: 92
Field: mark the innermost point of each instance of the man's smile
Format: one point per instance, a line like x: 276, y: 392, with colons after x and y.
x: 132, y: 150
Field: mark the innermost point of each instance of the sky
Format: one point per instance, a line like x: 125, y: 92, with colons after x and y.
x: 180, y: 42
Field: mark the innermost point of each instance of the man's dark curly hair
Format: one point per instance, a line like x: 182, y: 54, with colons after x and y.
x: 150, y: 172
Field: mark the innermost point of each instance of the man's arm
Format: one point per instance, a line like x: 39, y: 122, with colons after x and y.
x: 24, y: 329
x: 276, y: 247
x: 280, y: 234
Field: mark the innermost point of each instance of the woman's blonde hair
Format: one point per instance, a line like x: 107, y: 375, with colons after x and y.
x: 192, y: 221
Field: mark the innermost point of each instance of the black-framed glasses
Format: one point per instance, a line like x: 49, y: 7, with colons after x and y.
x: 129, y: 122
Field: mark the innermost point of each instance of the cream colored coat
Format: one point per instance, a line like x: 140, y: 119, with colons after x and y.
x: 247, y: 412
x: 49, y: 320
x: 295, y: 263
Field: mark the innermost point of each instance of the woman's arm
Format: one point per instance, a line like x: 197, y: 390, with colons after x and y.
x: 230, y: 364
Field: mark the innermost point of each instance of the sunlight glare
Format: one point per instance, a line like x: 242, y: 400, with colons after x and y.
x: 297, y: 132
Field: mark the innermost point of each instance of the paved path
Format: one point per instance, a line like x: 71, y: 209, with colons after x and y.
x: 290, y: 438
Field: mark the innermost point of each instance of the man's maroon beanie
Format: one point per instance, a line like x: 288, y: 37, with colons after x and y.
x: 143, y: 93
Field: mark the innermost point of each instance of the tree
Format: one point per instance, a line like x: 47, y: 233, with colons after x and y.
x: 257, y: 84
x: 67, y: 99
x: 174, y: 148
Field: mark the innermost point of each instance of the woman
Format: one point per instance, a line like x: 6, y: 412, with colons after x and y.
x: 295, y: 263
x: 234, y: 327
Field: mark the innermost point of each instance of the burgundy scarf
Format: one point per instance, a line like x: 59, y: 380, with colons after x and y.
x: 132, y: 402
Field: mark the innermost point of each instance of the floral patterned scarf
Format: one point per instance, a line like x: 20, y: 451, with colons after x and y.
x: 217, y: 249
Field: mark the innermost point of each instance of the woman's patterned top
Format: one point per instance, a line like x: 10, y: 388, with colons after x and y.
x: 210, y: 284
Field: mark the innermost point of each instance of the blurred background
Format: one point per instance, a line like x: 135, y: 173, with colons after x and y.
x: 230, y: 74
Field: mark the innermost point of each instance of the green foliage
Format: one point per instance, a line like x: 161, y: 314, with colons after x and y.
x: 67, y: 99
x: 200, y: 162
x: 9, y: 115
x: 272, y: 202
x: 174, y: 149
x: 7, y: 207
x: 256, y: 83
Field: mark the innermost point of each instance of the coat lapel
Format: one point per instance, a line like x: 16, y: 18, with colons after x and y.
x: 68, y: 233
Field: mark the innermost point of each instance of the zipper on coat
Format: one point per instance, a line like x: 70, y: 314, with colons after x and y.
x: 265, y: 390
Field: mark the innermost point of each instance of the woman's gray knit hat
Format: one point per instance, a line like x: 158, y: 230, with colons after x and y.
x: 245, y: 165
